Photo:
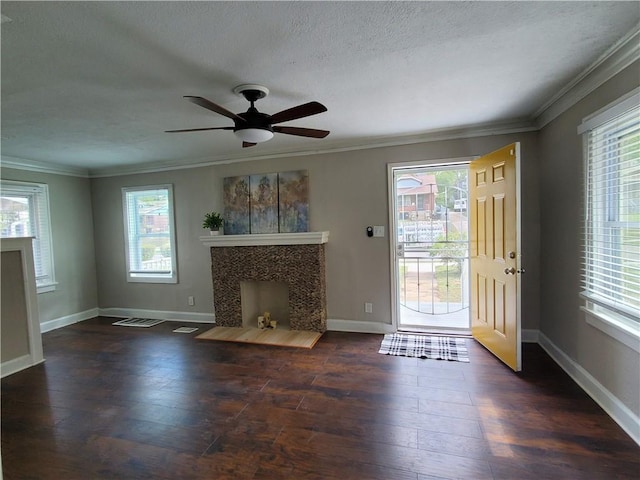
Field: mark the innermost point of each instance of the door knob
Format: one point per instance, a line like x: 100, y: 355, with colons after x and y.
x: 510, y: 271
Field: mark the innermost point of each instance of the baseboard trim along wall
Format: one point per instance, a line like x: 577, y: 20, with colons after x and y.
x: 333, y: 324
x: 356, y: 326
x: 159, y: 315
x: 530, y: 336
x: 620, y: 413
x: 68, y: 320
x: 17, y: 364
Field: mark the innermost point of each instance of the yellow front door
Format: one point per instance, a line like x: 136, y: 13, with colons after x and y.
x: 495, y: 253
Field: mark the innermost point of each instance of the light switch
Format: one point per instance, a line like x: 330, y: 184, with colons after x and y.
x: 378, y: 231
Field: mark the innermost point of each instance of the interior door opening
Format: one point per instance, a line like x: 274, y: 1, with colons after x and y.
x: 432, y: 248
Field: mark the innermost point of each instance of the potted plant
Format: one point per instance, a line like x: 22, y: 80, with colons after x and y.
x: 213, y: 221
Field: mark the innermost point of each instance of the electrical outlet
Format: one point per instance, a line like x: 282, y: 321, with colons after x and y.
x: 192, y: 301
x: 368, y: 307
x: 378, y: 231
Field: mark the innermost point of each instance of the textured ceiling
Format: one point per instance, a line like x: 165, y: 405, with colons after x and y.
x: 95, y: 84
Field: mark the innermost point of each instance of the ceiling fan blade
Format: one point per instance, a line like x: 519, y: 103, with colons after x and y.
x: 247, y: 144
x: 302, y: 132
x: 209, y: 105
x: 198, y: 129
x: 306, y: 110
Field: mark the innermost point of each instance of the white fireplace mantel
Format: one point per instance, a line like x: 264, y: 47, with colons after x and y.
x: 302, y: 238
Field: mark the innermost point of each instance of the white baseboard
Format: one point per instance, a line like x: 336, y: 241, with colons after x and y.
x: 530, y: 336
x: 356, y: 326
x: 17, y: 364
x: 68, y: 320
x: 159, y: 314
x: 617, y: 410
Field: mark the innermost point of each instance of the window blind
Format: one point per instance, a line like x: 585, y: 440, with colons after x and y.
x: 24, y: 212
x: 611, y: 261
x: 149, y: 224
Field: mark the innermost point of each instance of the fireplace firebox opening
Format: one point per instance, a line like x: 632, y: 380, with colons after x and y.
x: 258, y: 297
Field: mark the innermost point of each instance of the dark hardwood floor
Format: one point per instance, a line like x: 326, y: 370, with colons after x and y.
x: 126, y: 403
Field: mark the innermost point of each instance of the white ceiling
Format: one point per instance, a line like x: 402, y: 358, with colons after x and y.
x: 95, y: 84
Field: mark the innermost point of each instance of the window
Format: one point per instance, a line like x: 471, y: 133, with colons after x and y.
x: 24, y: 212
x: 611, y: 261
x: 149, y: 234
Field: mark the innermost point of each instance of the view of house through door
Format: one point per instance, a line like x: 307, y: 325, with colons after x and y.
x: 432, y: 248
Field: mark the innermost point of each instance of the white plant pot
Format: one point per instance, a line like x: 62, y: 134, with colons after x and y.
x: 214, y: 232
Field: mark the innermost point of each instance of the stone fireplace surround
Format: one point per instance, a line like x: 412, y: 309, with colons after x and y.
x: 297, y: 259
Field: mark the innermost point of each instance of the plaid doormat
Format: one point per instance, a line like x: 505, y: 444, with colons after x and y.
x: 425, y: 346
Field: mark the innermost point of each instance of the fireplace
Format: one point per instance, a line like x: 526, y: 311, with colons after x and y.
x: 295, y: 260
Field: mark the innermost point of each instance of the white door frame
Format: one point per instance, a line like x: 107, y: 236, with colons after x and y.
x: 393, y: 227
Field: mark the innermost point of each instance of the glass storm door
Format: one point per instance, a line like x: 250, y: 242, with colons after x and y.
x: 431, y: 258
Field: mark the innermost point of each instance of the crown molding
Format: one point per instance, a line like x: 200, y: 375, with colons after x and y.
x: 622, y: 54
x: 42, y: 167
x: 468, y: 131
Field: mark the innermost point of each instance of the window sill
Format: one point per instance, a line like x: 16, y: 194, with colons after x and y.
x: 46, y: 287
x: 150, y: 279
x: 625, y: 331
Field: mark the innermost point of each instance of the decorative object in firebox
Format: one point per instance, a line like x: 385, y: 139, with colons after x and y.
x: 265, y: 321
x: 267, y: 203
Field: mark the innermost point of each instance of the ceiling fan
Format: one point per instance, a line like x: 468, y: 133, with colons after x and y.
x: 252, y: 126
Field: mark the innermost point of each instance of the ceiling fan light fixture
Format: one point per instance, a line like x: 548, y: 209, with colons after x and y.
x: 254, y: 135
x: 252, y: 126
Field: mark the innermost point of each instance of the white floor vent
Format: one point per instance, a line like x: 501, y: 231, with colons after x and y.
x: 138, y: 322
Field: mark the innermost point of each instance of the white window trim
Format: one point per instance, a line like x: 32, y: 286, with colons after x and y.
x: 136, y: 277
x: 47, y: 287
x: 622, y: 325
x: 610, y: 111
x: 50, y: 284
x: 613, y: 324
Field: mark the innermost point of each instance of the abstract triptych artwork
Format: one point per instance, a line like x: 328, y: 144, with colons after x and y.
x: 266, y: 203
x: 237, y: 205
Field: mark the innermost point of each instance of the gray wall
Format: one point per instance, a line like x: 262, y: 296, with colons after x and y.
x: 73, y: 247
x: 195, y: 192
x: 612, y: 363
x: 348, y: 191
